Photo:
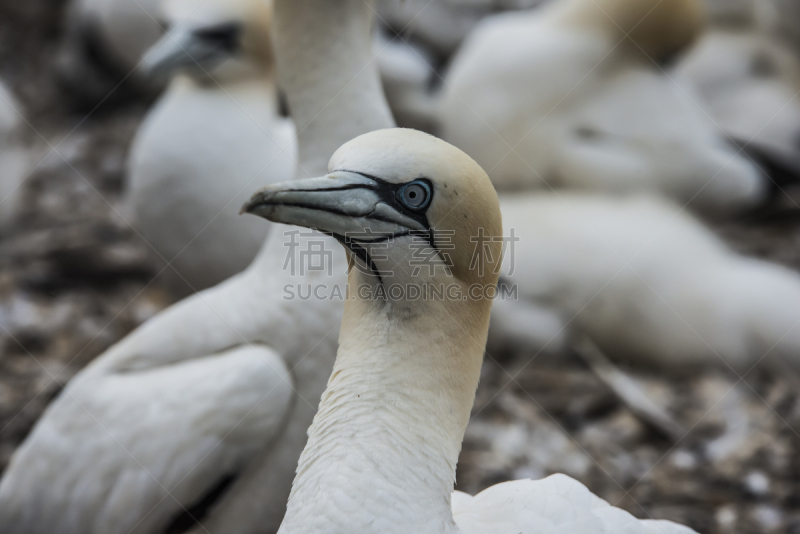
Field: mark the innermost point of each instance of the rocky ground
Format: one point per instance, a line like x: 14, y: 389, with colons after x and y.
x: 73, y: 280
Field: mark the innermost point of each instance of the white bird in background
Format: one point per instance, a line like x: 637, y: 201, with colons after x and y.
x: 748, y: 77
x: 102, y: 44
x: 151, y: 427
x: 561, y: 97
x: 644, y: 280
x: 408, y: 73
x: 15, y: 158
x: 212, y: 137
x: 441, y: 25
x: 382, y: 451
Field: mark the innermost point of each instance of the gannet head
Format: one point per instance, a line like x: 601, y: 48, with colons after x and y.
x: 409, y: 207
x: 657, y: 28
x: 212, y: 37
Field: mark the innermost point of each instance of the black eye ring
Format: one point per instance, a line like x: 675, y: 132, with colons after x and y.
x: 415, y: 195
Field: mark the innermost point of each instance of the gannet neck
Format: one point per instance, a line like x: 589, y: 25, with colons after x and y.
x: 390, y: 424
x: 325, y: 63
x: 382, y: 451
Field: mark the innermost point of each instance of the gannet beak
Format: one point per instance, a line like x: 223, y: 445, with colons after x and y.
x: 341, y: 203
x: 191, y: 48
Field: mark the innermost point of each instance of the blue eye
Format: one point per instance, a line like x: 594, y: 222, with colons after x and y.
x: 415, y: 196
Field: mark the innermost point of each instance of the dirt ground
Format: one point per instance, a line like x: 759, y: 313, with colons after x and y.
x: 73, y: 280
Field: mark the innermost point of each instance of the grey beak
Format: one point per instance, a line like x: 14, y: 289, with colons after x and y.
x: 341, y: 203
x: 191, y: 49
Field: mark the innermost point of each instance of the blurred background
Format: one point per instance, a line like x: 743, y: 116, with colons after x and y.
x: 75, y: 278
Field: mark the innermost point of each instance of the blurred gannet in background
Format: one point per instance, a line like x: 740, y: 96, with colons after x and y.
x: 102, y: 44
x: 15, y: 159
x: 214, y: 135
x: 569, y: 95
x: 151, y: 427
x: 441, y: 25
x: 644, y: 280
x: 105, y: 40
x: 747, y: 74
x: 382, y: 451
x: 407, y: 71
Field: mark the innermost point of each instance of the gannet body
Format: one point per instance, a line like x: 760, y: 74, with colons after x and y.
x: 103, y: 42
x: 560, y: 97
x: 749, y: 80
x: 207, y: 142
x: 645, y: 280
x: 382, y: 451
x: 244, y: 335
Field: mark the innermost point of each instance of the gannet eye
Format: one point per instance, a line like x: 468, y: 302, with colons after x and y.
x: 415, y: 196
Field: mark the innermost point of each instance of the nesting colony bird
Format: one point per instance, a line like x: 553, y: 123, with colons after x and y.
x: 644, y: 280
x: 151, y: 427
x: 382, y: 451
x: 570, y: 95
x: 748, y: 77
x: 407, y: 72
x: 102, y: 43
x: 441, y: 25
x: 214, y: 135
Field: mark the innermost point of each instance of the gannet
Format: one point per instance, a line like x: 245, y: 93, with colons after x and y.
x: 407, y: 72
x: 213, y: 136
x: 147, y: 430
x: 101, y: 45
x: 382, y: 450
x: 441, y: 25
x: 570, y: 95
x: 644, y: 279
x: 748, y: 77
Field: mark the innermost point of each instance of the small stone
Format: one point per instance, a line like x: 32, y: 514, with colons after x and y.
x: 756, y: 483
x: 726, y: 516
x: 768, y: 517
x: 683, y: 459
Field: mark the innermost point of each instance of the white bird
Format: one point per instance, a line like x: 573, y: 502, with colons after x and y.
x: 646, y: 281
x: 150, y: 428
x: 748, y: 78
x: 212, y: 137
x: 441, y: 25
x: 407, y: 71
x: 103, y: 42
x: 570, y: 95
x: 382, y: 451
x: 15, y: 158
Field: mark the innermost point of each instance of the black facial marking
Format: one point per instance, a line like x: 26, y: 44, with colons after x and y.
x: 389, y: 194
x: 224, y: 36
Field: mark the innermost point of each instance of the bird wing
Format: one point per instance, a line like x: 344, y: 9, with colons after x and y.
x: 554, y: 505
x: 129, y: 451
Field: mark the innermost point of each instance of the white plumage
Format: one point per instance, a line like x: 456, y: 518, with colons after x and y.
x: 212, y: 137
x: 560, y: 97
x: 749, y: 81
x: 556, y: 504
x: 643, y: 279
